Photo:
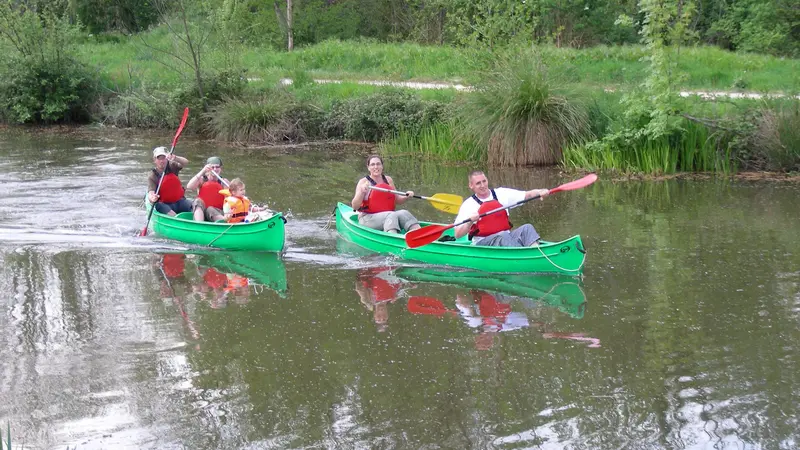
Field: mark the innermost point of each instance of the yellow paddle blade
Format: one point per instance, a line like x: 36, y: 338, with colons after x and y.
x: 225, y: 192
x: 448, y: 203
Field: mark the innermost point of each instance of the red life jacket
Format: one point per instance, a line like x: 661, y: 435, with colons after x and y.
x: 214, y: 279
x: 382, y: 289
x: 171, y: 188
x: 378, y: 201
x: 493, y: 223
x: 489, y: 307
x: 209, y: 193
x: 173, y: 264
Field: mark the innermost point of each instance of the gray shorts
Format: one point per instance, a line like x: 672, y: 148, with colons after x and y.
x: 209, y: 212
x: 388, y: 220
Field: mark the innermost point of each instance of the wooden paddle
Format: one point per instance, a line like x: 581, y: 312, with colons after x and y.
x: 426, y: 235
x: 448, y: 203
x: 158, y: 188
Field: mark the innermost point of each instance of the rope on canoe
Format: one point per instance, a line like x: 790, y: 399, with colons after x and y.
x: 559, y: 267
x: 220, y: 235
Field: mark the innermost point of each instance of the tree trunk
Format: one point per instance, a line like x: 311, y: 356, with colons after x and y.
x: 289, y: 33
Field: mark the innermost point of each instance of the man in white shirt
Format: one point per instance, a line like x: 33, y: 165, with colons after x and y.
x: 494, y: 229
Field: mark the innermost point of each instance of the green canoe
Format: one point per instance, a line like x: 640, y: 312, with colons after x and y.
x: 265, y: 235
x: 262, y: 268
x: 560, y: 291
x: 564, y: 257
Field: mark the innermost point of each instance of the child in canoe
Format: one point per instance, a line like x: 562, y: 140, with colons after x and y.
x: 237, y: 207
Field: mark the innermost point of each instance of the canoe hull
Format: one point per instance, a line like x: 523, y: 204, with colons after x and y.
x: 265, y: 235
x: 566, y: 257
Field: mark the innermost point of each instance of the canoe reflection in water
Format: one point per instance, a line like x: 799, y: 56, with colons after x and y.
x: 218, y: 278
x: 487, y: 307
x: 376, y: 288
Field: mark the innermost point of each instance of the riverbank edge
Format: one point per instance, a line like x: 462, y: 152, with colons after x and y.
x: 364, y: 148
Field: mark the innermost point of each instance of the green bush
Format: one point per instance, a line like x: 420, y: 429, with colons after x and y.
x: 375, y: 117
x: 33, y: 91
x: 266, y: 119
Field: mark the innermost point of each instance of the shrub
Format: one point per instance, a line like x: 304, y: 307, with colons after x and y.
x: 266, y: 119
x: 375, y: 117
x: 776, y: 138
x: 35, y: 91
x: 520, y: 115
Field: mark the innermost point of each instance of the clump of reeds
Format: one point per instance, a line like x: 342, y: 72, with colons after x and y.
x: 255, y: 120
x: 522, y: 115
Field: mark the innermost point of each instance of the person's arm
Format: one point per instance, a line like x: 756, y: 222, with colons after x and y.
x: 465, y: 212
x: 197, y: 180
x: 152, y: 185
x: 399, y: 199
x: 179, y: 160
x: 361, y: 192
x: 534, y: 192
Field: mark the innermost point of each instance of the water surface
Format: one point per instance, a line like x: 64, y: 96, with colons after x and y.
x: 683, y: 332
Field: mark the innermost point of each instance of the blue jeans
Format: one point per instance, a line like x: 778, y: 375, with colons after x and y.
x: 523, y: 236
x: 180, y: 206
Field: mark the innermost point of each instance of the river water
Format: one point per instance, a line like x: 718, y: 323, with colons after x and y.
x: 683, y: 332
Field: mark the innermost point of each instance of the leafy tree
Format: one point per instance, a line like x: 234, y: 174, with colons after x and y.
x: 40, y: 79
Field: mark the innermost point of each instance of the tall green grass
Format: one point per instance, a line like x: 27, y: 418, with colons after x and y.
x: 693, y: 149
x: 437, y: 142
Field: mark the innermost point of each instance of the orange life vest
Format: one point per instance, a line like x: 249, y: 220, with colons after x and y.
x: 493, y: 223
x: 171, y: 188
x: 209, y: 193
x: 378, y: 201
x: 236, y: 281
x: 239, y: 208
x: 382, y: 289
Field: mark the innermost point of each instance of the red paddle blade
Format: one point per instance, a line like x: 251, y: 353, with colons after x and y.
x: 180, y: 128
x: 425, y: 235
x: 144, y: 231
x: 577, y: 184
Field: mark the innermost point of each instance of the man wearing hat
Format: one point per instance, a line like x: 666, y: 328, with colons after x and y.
x: 170, y: 198
x: 208, y: 182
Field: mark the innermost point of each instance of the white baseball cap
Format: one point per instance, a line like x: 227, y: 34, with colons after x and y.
x: 158, y: 151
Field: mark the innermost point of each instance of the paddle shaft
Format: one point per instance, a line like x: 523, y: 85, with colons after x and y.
x: 398, y: 193
x: 161, y: 178
x: 421, y: 197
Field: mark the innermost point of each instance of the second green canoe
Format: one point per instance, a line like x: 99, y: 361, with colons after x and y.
x: 565, y: 257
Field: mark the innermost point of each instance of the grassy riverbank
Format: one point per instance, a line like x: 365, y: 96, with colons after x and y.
x: 530, y: 105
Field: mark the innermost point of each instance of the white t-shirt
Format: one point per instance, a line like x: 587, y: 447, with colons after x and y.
x: 505, y: 196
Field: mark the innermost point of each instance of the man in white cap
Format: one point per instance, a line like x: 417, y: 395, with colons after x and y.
x: 170, y: 199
